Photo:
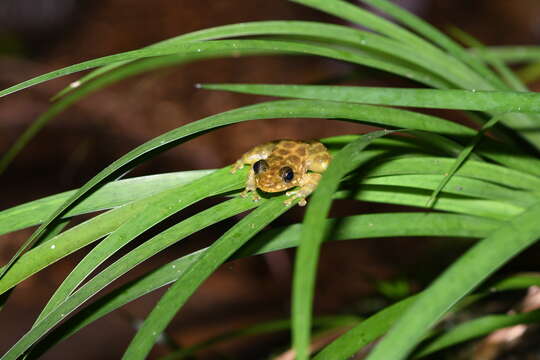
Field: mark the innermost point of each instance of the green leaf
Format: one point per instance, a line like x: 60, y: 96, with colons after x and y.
x: 326, y: 322
x: 111, y: 195
x: 277, y: 109
x: 207, y: 263
x: 376, y: 23
x: 460, y: 160
x: 364, y: 333
x: 476, y: 328
x: 418, y: 198
x: 167, y: 201
x: 354, y: 227
x: 492, y: 101
x: 313, y: 234
x: 212, y: 46
x: 309, y: 32
x: 495, y: 101
x: 457, y: 185
x: 510, y: 54
x: 473, y: 169
x: 152, y: 211
x: 424, y: 28
x: 65, y: 243
x: 62, y: 308
x: 465, y: 274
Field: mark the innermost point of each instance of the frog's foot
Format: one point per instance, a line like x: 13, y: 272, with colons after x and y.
x: 254, y: 195
x: 296, y: 194
x: 237, y: 166
x: 308, y: 185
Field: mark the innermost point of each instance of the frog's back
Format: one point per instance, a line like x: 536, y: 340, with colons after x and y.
x: 291, y: 153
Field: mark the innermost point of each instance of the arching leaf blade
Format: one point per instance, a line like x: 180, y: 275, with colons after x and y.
x: 313, y: 235
x: 464, y: 275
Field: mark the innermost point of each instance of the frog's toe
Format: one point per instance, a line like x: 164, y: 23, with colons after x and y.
x: 293, y: 196
x: 291, y: 193
x: 236, y: 166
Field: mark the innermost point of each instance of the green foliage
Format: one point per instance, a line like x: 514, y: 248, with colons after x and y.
x: 470, y: 185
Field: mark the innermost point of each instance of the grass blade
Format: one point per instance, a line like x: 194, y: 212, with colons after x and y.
x: 127, y: 262
x: 354, y: 227
x: 476, y: 328
x: 111, y: 195
x: 473, y: 169
x: 447, y: 99
x: 153, y: 210
x: 313, y: 235
x: 364, y: 333
x: 511, y: 54
x: 494, y: 101
x: 312, y: 31
x: 184, y: 287
x: 460, y: 186
x: 378, y: 324
x: 376, y: 23
x: 465, y: 274
x: 212, y: 46
x: 439, y: 38
x: 66, y: 243
x: 278, y: 109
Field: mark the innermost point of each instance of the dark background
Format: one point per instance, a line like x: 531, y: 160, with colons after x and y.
x: 37, y: 36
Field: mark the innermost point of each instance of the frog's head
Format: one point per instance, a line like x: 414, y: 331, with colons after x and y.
x: 280, y: 176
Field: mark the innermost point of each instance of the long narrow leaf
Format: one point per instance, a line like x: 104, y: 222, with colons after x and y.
x: 367, y: 331
x: 336, y: 34
x: 496, y: 101
x: 439, y: 38
x: 476, y: 328
x: 354, y: 227
x: 278, y: 109
x: 111, y: 195
x: 491, y: 101
x: 364, y: 18
x: 155, y: 209
x: 183, y: 229
x: 511, y: 54
x: 120, y: 192
x: 465, y: 274
x: 184, y: 287
x: 346, y: 160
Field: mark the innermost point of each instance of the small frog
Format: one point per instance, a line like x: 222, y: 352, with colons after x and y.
x: 282, y: 164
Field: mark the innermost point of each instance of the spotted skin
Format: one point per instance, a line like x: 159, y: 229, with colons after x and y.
x: 305, y: 159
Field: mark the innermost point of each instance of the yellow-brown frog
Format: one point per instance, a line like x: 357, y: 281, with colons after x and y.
x: 282, y: 164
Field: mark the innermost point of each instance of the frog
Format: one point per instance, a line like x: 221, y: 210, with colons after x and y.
x: 280, y: 165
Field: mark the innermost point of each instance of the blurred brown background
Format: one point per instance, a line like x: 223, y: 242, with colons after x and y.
x: 37, y: 36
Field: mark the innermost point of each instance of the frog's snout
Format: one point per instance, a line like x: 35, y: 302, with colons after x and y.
x: 268, y: 183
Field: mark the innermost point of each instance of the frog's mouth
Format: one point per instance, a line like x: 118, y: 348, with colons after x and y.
x: 267, y: 184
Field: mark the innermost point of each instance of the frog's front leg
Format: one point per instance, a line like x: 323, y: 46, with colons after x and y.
x: 251, y: 186
x: 260, y: 152
x: 308, y: 185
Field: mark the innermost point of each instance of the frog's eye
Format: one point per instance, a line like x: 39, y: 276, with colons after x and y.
x: 260, y: 166
x: 286, y: 174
